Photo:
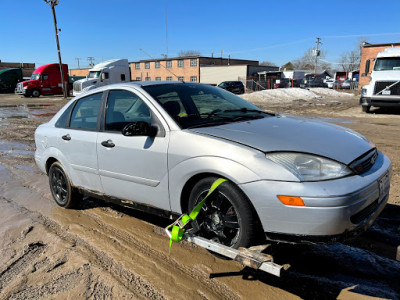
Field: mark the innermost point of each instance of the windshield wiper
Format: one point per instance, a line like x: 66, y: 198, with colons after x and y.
x: 245, y: 110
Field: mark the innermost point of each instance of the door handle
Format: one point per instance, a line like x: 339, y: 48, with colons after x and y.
x: 108, y: 144
x: 66, y: 137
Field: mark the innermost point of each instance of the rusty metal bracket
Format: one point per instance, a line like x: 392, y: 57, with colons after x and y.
x: 250, y: 257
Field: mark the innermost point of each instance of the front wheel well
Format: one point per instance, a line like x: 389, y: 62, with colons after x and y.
x: 189, y: 186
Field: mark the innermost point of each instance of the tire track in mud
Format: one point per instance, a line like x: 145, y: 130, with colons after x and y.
x: 218, y: 289
x: 132, y: 282
x: 128, y: 279
x: 21, y: 263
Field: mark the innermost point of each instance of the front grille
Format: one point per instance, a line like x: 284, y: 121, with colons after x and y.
x: 364, y: 162
x: 365, y: 213
x: 380, y: 85
x: 19, y: 87
x: 77, y: 86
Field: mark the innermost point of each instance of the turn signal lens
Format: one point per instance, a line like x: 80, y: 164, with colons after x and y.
x: 291, y: 201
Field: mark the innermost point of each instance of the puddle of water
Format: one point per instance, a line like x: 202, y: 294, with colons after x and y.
x: 26, y: 111
x: 15, y: 148
x: 29, y: 169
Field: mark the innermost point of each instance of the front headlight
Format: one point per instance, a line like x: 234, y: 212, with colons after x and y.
x: 308, y: 167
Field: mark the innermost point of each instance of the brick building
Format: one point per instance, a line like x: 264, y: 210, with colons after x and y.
x: 78, y: 72
x: 179, y: 68
x: 369, y: 53
x: 27, y: 68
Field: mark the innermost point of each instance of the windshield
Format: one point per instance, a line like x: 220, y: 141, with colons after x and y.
x: 35, y: 77
x: 197, y: 105
x: 387, y: 63
x: 94, y: 74
x: 223, y: 84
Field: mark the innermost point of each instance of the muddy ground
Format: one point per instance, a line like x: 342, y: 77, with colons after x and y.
x: 100, y: 251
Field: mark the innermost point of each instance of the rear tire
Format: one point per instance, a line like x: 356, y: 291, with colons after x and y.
x: 366, y: 108
x: 60, y: 185
x: 227, y: 216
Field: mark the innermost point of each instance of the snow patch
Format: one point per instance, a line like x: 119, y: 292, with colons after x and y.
x: 289, y: 94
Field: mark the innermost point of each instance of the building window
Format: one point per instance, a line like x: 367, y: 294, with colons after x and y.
x: 180, y: 78
x: 158, y: 78
x: 147, y: 65
x: 193, y: 78
x: 169, y: 64
x: 169, y: 78
x: 138, y: 78
x: 193, y: 62
x: 180, y: 63
x: 157, y: 64
x: 137, y: 66
x: 148, y: 78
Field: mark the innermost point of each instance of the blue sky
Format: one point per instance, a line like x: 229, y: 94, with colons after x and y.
x: 277, y: 31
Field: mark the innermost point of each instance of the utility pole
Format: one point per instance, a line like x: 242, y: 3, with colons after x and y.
x: 317, y: 54
x: 53, y: 3
x: 166, y: 28
x: 91, y: 59
x: 77, y: 59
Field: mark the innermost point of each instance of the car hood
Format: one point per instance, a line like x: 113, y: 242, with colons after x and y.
x: 294, y: 134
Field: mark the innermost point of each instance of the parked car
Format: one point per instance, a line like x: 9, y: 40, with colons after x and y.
x: 158, y: 147
x: 330, y: 83
x: 235, y: 87
x: 346, y: 84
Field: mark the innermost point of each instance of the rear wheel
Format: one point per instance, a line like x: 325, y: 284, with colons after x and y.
x: 63, y: 193
x: 227, y: 216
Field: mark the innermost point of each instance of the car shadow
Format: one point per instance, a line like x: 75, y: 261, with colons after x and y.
x: 385, y: 111
x: 365, y: 265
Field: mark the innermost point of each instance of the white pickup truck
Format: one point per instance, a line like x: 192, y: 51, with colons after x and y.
x: 384, y: 87
x: 107, y: 72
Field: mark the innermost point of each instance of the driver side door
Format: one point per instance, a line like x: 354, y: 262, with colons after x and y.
x: 132, y: 167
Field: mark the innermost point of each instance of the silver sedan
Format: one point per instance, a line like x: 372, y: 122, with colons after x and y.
x: 158, y: 147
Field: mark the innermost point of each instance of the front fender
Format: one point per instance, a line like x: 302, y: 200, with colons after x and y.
x: 181, y: 173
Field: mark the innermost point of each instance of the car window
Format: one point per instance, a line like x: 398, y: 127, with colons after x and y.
x: 196, y: 105
x: 85, y: 113
x: 124, y: 107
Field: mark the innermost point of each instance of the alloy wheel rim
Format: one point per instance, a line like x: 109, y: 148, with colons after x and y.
x: 218, y: 219
x: 59, y: 186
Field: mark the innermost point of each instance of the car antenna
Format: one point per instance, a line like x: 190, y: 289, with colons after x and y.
x: 161, y: 65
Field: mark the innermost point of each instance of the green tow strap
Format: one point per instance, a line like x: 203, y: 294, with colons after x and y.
x: 178, y: 227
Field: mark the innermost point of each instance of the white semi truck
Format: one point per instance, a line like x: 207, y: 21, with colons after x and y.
x: 384, y: 87
x: 107, y: 72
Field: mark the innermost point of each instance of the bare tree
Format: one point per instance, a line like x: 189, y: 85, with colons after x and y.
x: 307, y: 61
x: 268, y: 63
x: 186, y: 53
x: 350, y: 60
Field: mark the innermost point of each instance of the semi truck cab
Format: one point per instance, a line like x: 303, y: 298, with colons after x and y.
x: 384, y: 87
x: 107, y: 72
x: 45, y: 80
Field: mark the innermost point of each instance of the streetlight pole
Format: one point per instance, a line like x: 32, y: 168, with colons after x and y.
x: 52, y: 4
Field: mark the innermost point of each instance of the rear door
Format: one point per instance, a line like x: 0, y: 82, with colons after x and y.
x: 132, y: 168
x: 78, y: 142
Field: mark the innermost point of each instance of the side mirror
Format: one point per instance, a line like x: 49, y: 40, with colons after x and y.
x: 139, y: 129
x: 367, y: 66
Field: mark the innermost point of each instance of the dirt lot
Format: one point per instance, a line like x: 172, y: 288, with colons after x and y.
x: 106, y: 252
